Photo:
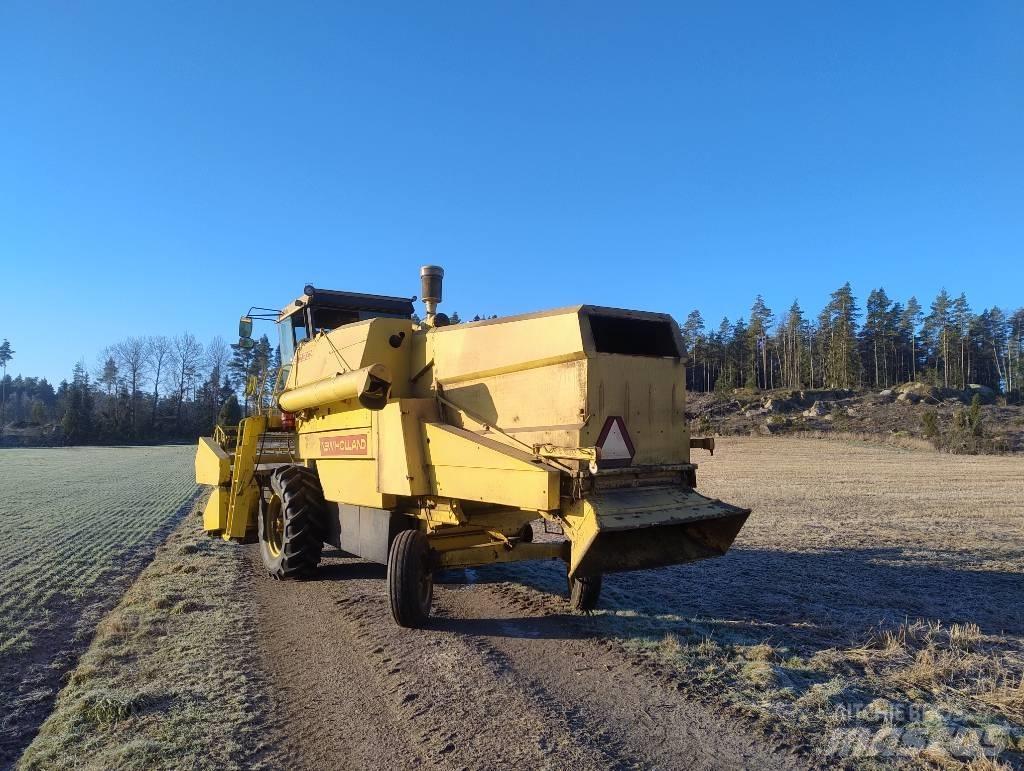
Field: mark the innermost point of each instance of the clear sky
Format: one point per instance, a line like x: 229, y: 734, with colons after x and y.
x: 165, y: 165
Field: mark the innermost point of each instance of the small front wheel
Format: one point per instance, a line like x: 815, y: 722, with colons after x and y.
x: 584, y: 592
x: 410, y: 579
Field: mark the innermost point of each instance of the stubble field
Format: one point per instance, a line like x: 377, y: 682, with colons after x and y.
x: 76, y: 526
x: 871, y: 610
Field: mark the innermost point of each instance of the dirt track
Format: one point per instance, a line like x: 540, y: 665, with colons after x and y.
x: 847, y: 539
x: 504, y: 677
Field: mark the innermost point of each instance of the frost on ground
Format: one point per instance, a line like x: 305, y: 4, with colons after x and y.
x: 872, y: 609
x: 167, y: 681
x: 76, y: 526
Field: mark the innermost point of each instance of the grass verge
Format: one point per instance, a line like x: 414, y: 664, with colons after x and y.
x: 167, y: 681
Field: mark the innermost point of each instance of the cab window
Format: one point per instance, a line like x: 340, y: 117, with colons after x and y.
x: 292, y: 331
x: 327, y: 319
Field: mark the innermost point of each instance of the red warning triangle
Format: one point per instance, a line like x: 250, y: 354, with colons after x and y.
x: 616, y: 447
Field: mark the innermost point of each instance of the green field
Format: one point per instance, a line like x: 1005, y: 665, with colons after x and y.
x: 76, y: 525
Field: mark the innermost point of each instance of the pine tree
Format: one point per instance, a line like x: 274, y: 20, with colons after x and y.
x: 792, y: 344
x: 838, y: 327
x: 1016, y: 356
x: 240, y: 366
x: 761, y: 319
x: 739, y: 354
x: 230, y: 413
x: 961, y: 320
x: 693, y: 337
x: 910, y: 322
x: 997, y: 332
x: 876, y: 333
x: 6, y: 354
x: 937, y: 327
x: 77, y: 422
x: 260, y: 371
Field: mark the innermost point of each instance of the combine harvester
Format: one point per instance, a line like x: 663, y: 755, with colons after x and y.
x: 426, y: 446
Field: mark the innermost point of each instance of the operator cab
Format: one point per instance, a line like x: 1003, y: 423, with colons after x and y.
x: 321, y: 310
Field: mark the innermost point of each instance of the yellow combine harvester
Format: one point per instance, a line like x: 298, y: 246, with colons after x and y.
x: 426, y: 446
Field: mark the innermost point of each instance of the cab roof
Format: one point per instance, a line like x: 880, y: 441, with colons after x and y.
x: 383, y: 305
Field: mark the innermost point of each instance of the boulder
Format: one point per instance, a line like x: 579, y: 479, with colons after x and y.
x: 923, y: 391
x: 987, y: 395
x: 777, y: 405
x: 808, y: 396
x: 887, y: 392
x: 816, y: 410
x: 908, y: 397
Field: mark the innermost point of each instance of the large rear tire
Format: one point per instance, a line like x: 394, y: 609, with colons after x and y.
x: 410, y: 579
x: 584, y: 592
x: 291, y: 527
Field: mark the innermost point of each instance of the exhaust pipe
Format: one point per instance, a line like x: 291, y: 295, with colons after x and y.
x: 431, y: 278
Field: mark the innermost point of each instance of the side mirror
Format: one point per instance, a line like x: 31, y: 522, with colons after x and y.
x: 245, y: 327
x: 246, y: 343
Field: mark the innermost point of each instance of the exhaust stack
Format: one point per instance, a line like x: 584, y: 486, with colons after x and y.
x: 431, y: 278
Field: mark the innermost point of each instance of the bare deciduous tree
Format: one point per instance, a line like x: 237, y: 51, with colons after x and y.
x: 186, y: 358
x: 130, y: 355
x: 158, y: 353
x: 217, y: 355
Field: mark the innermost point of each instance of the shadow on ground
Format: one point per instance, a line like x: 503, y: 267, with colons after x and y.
x: 804, y: 600
x: 811, y: 600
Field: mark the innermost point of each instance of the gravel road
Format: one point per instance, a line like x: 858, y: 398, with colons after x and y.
x: 504, y: 677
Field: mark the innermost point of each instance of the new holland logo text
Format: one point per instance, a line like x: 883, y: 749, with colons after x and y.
x: 353, y: 444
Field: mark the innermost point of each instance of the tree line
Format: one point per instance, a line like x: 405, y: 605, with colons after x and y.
x: 146, y: 389
x: 142, y: 389
x: 160, y: 388
x: 890, y: 342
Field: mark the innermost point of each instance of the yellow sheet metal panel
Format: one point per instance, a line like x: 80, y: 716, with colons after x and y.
x: 213, y: 464
x: 541, y: 405
x: 401, y: 462
x: 215, y: 513
x: 352, y: 481
x: 333, y: 421
x: 352, y: 347
x: 495, y: 552
x: 471, y: 467
x: 649, y: 394
x: 512, y: 344
x: 502, y: 486
x: 639, y: 528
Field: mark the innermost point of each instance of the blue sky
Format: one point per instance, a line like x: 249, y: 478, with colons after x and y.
x: 163, y: 166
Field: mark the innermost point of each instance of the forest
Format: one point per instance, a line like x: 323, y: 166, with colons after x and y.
x: 160, y: 388
x: 142, y: 389
x: 887, y: 343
